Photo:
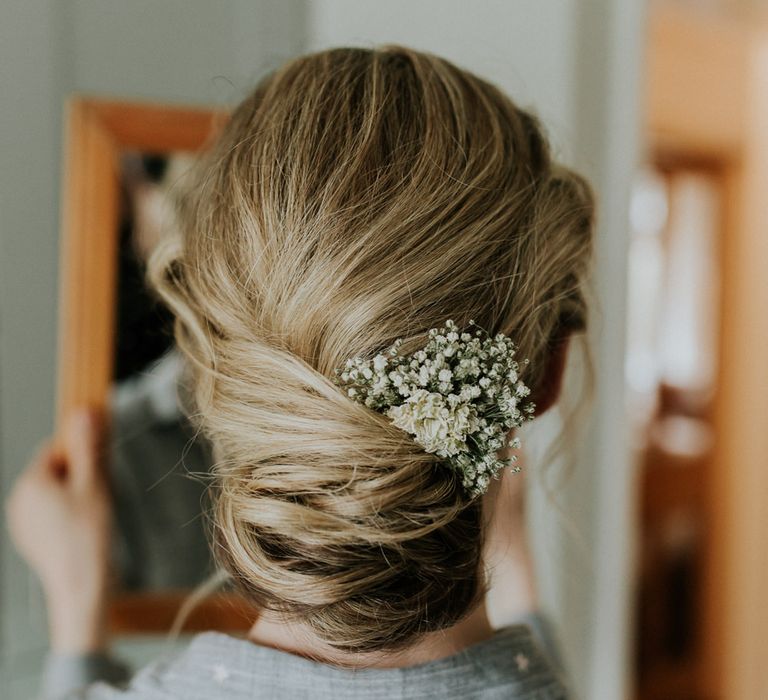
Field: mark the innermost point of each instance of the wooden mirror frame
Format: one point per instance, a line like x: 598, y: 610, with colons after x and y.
x: 97, y: 131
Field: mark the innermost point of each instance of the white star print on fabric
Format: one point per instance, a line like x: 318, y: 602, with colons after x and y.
x: 522, y: 662
x: 220, y: 673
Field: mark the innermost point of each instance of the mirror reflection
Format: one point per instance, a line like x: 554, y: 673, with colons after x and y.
x: 158, y: 462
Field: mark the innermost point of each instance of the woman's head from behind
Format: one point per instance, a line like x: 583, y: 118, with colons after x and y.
x: 355, y: 197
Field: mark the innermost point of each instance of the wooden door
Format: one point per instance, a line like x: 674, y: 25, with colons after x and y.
x: 707, y: 109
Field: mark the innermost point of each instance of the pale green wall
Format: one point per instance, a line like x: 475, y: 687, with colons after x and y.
x: 192, y: 51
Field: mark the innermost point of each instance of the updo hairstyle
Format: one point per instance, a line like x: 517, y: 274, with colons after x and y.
x: 355, y: 197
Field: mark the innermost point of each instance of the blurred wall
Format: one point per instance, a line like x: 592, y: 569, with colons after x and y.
x: 190, y: 51
x: 575, y: 63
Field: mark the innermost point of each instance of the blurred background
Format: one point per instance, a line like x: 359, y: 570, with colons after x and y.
x: 655, y: 561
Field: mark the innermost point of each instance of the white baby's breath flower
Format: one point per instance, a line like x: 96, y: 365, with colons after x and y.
x: 458, y: 397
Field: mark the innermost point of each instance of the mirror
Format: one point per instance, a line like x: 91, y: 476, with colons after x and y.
x: 124, y: 164
x: 157, y: 463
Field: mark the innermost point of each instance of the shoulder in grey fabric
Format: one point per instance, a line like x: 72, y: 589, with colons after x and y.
x: 510, y: 665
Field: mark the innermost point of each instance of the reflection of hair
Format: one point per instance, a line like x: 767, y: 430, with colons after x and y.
x: 355, y: 197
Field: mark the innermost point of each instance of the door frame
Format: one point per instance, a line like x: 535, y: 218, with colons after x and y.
x: 707, y: 98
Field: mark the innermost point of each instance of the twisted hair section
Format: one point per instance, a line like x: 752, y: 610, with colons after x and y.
x: 355, y: 197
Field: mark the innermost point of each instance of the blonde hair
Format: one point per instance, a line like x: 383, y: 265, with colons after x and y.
x: 355, y: 197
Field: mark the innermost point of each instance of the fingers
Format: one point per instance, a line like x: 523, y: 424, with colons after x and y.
x: 83, y: 442
x: 44, y: 459
x: 47, y: 465
x: 36, y: 477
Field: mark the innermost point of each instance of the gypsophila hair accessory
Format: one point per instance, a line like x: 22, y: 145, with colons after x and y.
x: 458, y: 397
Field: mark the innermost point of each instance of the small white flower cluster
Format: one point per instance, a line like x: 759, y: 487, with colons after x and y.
x: 459, y: 397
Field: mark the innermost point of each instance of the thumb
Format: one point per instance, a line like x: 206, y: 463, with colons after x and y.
x: 83, y: 443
